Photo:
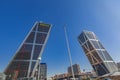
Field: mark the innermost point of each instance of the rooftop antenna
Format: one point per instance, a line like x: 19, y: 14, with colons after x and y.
x: 69, y: 53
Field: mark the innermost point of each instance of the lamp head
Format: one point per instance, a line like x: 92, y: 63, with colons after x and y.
x: 39, y: 58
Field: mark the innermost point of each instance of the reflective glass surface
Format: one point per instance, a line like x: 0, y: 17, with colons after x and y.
x: 100, y: 52
x: 100, y: 69
x: 81, y: 38
x: 95, y: 44
x: 30, y: 38
x: 90, y: 45
x: 24, y: 53
x: 40, y: 39
x: 107, y: 56
x: 95, y: 54
x: 37, y: 52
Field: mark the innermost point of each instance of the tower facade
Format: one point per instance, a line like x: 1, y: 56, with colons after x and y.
x: 26, y: 57
x: 99, y: 58
x: 76, y: 69
x: 43, y: 71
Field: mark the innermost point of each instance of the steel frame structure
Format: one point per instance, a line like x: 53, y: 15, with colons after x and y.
x: 26, y: 56
x: 99, y: 58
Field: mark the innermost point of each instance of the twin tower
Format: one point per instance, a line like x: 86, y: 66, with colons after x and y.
x: 25, y: 60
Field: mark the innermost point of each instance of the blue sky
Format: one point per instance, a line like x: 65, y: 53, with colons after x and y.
x: 100, y: 16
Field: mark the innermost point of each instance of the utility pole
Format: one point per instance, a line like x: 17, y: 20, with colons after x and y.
x: 69, y: 53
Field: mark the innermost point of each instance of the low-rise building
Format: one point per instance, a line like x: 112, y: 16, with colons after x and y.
x: 66, y: 76
x: 2, y: 76
x: 77, y: 74
x: 76, y: 69
x: 60, y: 76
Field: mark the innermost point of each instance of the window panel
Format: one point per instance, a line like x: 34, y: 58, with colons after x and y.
x: 41, y: 38
x: 24, y: 53
x: 20, y: 66
x: 101, y: 47
x: 95, y: 54
x: 100, y: 69
x: 81, y: 38
x: 96, y: 45
x: 32, y: 66
x: 30, y: 38
x: 90, y: 46
x: 84, y: 48
x: 107, y: 56
x: 101, y: 54
x: 37, y: 51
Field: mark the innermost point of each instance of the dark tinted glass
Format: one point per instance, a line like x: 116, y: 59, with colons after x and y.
x: 30, y: 38
x: 81, y: 38
x: 32, y: 66
x: 100, y: 69
x: 90, y: 46
x: 101, y: 47
x: 101, y: 54
x: 107, y: 56
x: 21, y: 67
x: 40, y: 39
x: 95, y: 54
x: 24, y: 53
x: 96, y: 44
x: 37, y: 51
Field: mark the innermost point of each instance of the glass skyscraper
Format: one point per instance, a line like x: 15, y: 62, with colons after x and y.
x: 25, y: 59
x: 99, y: 58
